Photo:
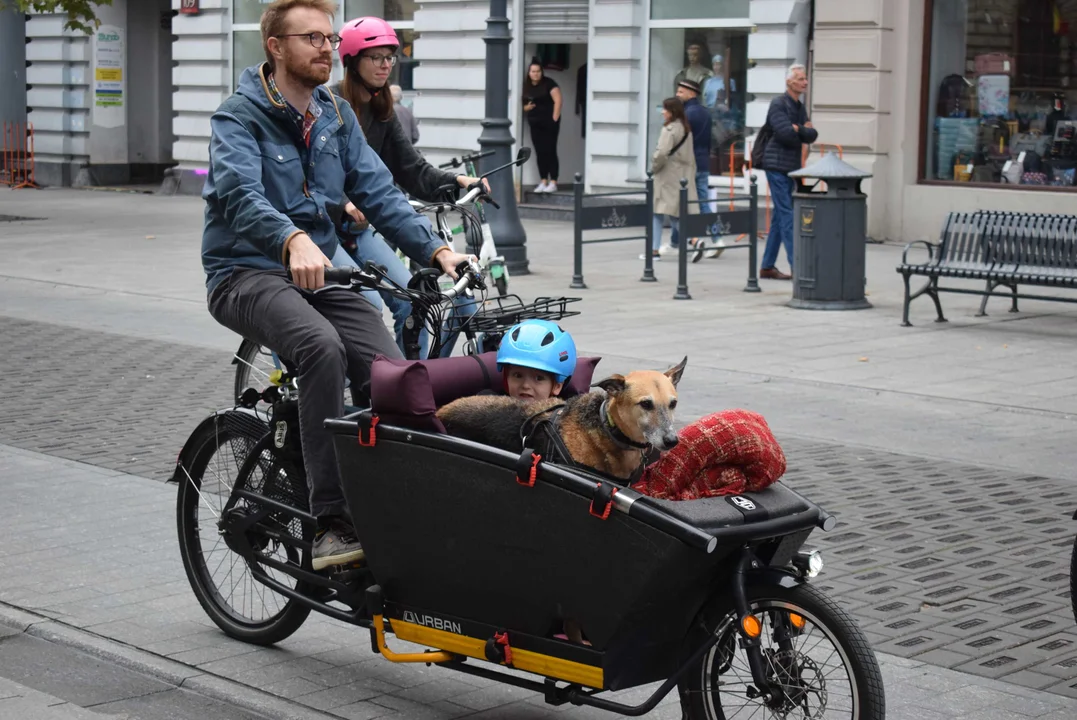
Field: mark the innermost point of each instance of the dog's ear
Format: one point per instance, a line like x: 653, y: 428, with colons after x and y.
x: 674, y: 373
x: 613, y: 385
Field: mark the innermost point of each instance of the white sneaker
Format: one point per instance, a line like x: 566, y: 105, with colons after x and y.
x: 552, y: 187
x: 541, y: 187
x: 655, y: 258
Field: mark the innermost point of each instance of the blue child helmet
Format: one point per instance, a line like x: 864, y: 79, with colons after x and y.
x: 539, y: 344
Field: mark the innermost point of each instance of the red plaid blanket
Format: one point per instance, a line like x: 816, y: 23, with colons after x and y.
x: 726, y: 453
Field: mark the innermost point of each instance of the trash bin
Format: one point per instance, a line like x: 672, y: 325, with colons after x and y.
x: 829, y: 237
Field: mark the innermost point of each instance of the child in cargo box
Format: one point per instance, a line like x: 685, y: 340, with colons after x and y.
x: 536, y: 358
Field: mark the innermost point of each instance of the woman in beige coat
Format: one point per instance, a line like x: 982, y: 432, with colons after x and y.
x: 673, y: 160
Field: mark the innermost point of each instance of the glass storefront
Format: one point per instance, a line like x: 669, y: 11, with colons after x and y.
x: 1001, y: 90
x: 717, y: 59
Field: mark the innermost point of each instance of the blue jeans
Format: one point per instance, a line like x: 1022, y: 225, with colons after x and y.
x: 781, y: 220
x: 372, y: 248
x: 702, y: 192
x: 656, y: 230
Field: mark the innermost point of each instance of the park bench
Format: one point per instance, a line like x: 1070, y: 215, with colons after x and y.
x: 1001, y: 249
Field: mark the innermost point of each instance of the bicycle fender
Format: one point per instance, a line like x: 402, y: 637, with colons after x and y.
x: 186, y: 453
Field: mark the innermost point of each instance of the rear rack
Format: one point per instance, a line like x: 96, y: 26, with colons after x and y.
x: 501, y: 313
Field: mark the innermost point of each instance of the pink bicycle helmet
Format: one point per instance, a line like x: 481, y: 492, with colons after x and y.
x: 364, y: 33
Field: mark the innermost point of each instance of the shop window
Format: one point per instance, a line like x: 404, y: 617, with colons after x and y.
x: 247, y: 50
x: 716, y: 59
x: 1001, y: 90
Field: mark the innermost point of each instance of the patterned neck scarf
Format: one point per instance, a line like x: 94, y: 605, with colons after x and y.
x: 305, y: 120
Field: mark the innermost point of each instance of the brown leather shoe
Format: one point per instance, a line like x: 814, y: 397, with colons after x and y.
x: 774, y: 274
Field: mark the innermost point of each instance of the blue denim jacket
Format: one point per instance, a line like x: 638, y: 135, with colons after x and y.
x: 264, y: 184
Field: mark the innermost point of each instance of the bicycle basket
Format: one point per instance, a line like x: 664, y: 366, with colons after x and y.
x: 501, y: 313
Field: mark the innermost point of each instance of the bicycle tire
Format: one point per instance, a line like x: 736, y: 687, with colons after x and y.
x: 239, y: 430
x: 868, y: 696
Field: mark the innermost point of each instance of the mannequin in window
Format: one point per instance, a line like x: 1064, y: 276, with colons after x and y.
x: 696, y: 71
x: 715, y: 91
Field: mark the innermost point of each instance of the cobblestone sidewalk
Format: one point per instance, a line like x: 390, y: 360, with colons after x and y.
x: 96, y: 549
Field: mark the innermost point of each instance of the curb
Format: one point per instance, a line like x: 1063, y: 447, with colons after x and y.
x: 160, y: 668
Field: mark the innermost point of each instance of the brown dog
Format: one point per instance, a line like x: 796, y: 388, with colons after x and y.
x: 610, y: 431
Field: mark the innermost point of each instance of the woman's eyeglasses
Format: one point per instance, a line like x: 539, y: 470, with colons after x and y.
x: 317, y: 39
x: 389, y: 60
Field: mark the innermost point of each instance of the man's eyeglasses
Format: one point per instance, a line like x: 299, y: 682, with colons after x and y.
x: 389, y: 60
x: 317, y: 39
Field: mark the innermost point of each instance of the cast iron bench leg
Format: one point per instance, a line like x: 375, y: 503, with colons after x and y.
x: 991, y: 285
x: 1013, y: 288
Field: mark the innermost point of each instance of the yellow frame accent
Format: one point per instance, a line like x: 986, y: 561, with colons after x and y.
x: 526, y: 660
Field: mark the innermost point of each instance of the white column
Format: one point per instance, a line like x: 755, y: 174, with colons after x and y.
x: 616, y: 94
x: 200, y: 76
x: 59, y: 97
x: 450, y: 81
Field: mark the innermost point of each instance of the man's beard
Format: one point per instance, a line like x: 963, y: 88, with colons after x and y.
x: 307, y: 72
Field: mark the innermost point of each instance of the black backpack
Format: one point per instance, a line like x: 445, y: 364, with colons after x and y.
x: 759, y: 149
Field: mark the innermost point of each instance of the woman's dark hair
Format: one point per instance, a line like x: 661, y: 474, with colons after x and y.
x: 527, y: 76
x: 676, y: 111
x: 381, y: 102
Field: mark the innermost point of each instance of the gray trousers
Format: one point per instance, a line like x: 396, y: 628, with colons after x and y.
x: 325, y: 336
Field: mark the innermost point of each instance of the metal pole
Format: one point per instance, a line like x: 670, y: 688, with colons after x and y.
x: 648, y: 234
x: 753, y: 232
x: 682, y: 247
x: 577, y: 235
x: 504, y: 223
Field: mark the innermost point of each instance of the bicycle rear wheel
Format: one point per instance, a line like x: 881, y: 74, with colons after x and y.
x: 232, y: 450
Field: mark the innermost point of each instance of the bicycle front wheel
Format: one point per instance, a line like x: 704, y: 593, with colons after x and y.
x: 824, y: 670
x: 232, y: 450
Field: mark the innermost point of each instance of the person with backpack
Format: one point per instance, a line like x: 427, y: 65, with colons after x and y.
x: 777, y: 150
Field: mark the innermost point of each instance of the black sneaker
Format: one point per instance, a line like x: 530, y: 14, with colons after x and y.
x: 337, y: 545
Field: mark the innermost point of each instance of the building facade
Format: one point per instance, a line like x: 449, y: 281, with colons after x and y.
x: 933, y: 97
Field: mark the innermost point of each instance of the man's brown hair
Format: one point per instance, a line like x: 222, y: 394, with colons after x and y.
x: 274, y: 17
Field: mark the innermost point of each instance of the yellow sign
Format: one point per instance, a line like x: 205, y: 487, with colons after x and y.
x: 807, y: 218
x: 113, y: 74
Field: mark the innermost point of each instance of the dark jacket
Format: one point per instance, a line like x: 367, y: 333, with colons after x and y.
x: 410, y: 170
x: 700, y: 122
x: 265, y: 183
x: 783, y: 150
x: 408, y: 122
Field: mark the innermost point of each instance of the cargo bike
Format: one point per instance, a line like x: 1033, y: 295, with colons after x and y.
x: 480, y: 557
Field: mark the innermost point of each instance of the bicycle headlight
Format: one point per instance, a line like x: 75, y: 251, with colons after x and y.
x: 809, y: 564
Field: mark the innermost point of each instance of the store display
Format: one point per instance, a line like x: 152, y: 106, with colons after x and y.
x: 993, y: 95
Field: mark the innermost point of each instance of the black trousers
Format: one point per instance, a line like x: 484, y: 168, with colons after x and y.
x: 326, y: 335
x: 544, y: 138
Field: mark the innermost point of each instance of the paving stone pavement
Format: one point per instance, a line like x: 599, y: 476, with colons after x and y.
x: 958, y: 565
x: 102, y: 548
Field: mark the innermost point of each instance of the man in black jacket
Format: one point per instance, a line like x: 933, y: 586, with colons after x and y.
x: 788, y: 119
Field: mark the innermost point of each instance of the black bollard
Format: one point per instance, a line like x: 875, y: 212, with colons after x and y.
x: 648, y: 234
x: 682, y: 247
x: 753, y: 233
x: 577, y: 235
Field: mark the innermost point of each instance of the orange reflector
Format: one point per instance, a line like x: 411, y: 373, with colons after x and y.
x: 751, y: 626
x: 797, y: 620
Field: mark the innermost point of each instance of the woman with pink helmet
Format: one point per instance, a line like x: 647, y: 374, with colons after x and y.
x: 367, y: 50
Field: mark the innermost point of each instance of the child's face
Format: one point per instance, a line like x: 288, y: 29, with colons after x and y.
x: 529, y: 384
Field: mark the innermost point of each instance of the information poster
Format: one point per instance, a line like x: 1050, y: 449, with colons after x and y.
x: 109, y: 86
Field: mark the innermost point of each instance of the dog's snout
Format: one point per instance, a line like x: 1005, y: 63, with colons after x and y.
x: 670, y: 441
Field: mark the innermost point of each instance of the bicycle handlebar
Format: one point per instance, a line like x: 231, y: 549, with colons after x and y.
x: 371, y: 276
x: 454, y: 163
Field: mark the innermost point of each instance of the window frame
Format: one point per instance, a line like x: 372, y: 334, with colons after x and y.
x: 744, y: 23
x: 925, y: 132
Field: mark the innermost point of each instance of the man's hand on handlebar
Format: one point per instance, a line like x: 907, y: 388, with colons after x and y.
x: 465, y: 182
x: 307, y: 262
x: 448, y: 261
